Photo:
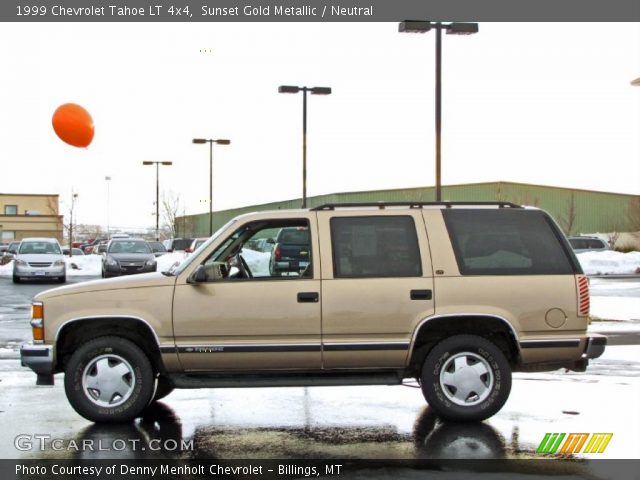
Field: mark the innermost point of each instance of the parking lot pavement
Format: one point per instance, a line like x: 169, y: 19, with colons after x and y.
x: 320, y: 422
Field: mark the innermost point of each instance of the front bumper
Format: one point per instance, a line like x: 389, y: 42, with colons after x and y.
x: 120, y: 269
x: 40, y: 359
x: 39, y: 272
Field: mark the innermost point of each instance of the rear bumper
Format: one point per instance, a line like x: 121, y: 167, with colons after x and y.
x: 595, y: 346
x: 571, y: 353
x: 40, y: 359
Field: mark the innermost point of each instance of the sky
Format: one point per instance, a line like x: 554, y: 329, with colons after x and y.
x: 542, y: 103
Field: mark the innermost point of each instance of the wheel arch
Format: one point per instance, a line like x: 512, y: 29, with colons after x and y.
x: 74, y: 332
x: 433, y: 329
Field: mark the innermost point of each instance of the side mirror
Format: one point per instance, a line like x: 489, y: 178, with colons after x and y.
x: 198, y: 276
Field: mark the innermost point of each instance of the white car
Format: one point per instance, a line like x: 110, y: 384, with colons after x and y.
x: 39, y: 258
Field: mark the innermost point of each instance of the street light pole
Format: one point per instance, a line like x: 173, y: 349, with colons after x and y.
x: 157, y: 164
x: 73, y: 201
x: 304, y: 90
x: 211, y: 141
x: 108, y: 180
x: 420, y: 26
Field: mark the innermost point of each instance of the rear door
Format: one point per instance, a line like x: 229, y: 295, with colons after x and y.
x: 377, y: 286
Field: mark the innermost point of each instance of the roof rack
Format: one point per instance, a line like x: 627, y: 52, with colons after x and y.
x: 382, y: 205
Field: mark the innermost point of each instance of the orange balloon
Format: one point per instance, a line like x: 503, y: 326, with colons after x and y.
x: 73, y: 125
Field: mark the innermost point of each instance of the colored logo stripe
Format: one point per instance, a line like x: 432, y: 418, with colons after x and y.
x: 550, y: 442
x: 598, y: 442
x: 574, y: 443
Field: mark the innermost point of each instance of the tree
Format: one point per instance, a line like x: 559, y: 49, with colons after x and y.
x: 170, y: 208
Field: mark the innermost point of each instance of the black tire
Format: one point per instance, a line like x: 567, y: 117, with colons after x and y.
x: 63, y: 279
x: 16, y: 279
x: 137, y: 381
x: 492, y: 387
x: 163, y: 388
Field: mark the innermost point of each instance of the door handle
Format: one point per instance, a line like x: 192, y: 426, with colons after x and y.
x: 308, y: 297
x: 421, y: 294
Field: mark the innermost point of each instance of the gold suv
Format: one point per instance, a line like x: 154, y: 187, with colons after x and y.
x: 455, y: 295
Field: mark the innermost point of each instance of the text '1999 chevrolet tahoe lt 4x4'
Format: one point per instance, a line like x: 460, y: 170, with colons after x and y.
x: 455, y: 295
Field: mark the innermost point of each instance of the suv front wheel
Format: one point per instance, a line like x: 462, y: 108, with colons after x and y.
x: 109, y: 379
x: 466, y: 378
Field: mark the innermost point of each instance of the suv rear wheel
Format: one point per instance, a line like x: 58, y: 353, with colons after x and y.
x: 109, y: 379
x: 466, y: 377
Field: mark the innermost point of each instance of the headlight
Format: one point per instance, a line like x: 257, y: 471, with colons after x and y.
x: 22, y: 263
x: 112, y: 261
x: 58, y: 263
x: 150, y: 263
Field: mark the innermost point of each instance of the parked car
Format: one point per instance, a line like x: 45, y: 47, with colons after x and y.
x: 291, y: 252
x: 492, y: 289
x: 174, y: 244
x: 157, y: 248
x: 261, y: 244
x: 125, y: 256
x: 39, y: 258
x: 588, y: 244
x: 195, y: 244
x: 12, y: 249
x: 100, y: 248
x: 88, y: 247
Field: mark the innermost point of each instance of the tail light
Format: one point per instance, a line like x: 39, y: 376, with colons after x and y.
x: 583, y: 297
x: 277, y: 253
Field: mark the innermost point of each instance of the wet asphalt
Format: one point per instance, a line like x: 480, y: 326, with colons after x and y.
x: 308, y: 423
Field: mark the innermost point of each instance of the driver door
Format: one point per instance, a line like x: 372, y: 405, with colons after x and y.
x: 243, y: 314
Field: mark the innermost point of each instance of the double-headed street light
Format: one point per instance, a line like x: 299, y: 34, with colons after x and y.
x: 210, y: 141
x: 419, y: 26
x: 304, y: 90
x: 157, y: 164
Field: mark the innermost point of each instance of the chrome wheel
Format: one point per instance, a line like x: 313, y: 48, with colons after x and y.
x: 108, y: 380
x: 466, y: 379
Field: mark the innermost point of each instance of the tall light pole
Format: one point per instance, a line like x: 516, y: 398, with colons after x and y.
x: 210, y: 141
x: 108, y: 180
x: 73, y: 201
x: 304, y: 90
x: 419, y: 26
x: 157, y: 164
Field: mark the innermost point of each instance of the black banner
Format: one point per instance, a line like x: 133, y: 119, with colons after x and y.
x: 300, y: 468
x: 317, y: 10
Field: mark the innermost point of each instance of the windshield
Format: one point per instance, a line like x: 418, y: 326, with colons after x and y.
x: 125, y: 246
x: 45, y: 248
x: 178, y: 267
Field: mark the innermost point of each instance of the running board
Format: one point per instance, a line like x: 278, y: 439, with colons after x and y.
x: 202, y: 380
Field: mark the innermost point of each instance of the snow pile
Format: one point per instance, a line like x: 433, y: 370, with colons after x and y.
x: 258, y: 262
x: 609, y: 262
x: 84, y: 265
x: 166, y: 261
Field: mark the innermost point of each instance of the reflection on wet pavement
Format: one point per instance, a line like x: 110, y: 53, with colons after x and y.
x: 159, y: 434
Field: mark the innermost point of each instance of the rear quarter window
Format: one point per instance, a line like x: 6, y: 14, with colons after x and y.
x: 507, y: 242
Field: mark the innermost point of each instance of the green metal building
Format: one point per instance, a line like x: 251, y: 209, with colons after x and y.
x: 577, y: 211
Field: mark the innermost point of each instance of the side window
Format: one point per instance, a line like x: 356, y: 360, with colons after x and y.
x: 372, y: 246
x: 274, y: 249
x: 506, y: 242
x: 10, y: 209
